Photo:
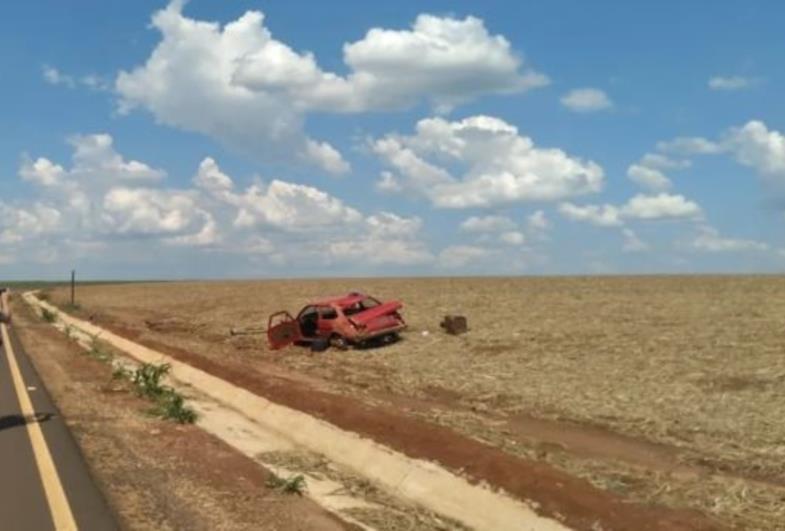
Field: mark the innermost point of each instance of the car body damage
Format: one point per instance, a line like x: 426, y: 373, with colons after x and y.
x: 352, y: 319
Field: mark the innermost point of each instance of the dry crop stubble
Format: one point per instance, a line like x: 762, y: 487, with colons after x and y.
x: 695, y: 363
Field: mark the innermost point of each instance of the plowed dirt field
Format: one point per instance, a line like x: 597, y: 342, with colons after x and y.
x: 666, y: 392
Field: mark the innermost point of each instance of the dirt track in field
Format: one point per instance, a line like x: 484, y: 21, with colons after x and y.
x: 659, y: 390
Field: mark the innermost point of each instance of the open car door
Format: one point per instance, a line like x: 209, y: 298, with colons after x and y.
x: 282, y: 330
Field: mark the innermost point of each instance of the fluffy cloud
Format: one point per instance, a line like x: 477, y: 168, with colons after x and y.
x: 321, y: 224
x: 95, y: 163
x: 600, y: 215
x: 103, y: 195
x: 755, y: 145
x: 188, y: 82
x: 443, y: 60
x: 512, y: 237
x: 487, y: 224
x: 387, y: 183
x: 241, y: 86
x: 586, y: 100
x: 538, y: 221
x: 388, y: 239
x: 145, y: 212
x: 689, y: 145
x: 499, y: 165
x: 730, y: 83
x: 752, y: 144
x: 19, y: 224
x: 54, y: 77
x: 660, y: 206
x: 639, y: 207
x: 650, y: 178
x: 649, y: 172
x: 710, y: 240
x: 632, y: 243
x: 111, y: 201
x: 291, y: 206
x: 42, y: 172
x: 457, y: 256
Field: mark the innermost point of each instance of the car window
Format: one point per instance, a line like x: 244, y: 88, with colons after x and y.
x: 327, y: 312
x: 309, y: 312
x: 360, y: 306
x: 369, y: 303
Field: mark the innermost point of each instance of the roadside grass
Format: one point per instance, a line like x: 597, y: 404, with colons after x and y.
x: 145, y: 379
x: 99, y: 352
x: 169, y: 404
x: 291, y: 485
x: 75, y: 307
x: 121, y: 373
x: 48, y: 315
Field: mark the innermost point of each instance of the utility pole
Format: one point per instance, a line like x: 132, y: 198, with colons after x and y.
x: 73, y: 287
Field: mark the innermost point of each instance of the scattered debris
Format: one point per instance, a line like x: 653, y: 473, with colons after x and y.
x: 169, y: 324
x: 454, y: 324
x: 248, y: 331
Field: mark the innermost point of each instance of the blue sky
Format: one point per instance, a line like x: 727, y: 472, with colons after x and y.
x: 252, y: 139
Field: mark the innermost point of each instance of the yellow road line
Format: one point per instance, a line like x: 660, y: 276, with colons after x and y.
x: 62, y: 517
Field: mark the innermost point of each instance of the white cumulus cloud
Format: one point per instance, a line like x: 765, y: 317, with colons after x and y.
x: 600, y: 215
x: 487, y: 224
x: 660, y: 206
x: 112, y: 202
x: 457, y: 256
x: 759, y: 147
x: 639, y: 207
x: 632, y: 243
x: 648, y: 177
x: 498, y: 164
x: 730, y: 83
x: 710, y: 240
x: 689, y: 145
x: 586, y: 100
x: 240, y: 85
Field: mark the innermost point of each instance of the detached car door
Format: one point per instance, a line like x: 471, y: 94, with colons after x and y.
x: 282, y: 330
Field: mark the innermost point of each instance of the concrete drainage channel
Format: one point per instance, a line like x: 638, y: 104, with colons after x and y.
x: 349, y: 475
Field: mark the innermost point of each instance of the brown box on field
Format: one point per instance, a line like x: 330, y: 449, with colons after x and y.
x: 454, y: 324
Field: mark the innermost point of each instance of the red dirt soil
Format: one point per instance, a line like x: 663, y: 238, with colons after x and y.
x: 572, y: 500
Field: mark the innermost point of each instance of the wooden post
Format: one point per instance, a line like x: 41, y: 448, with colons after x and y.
x: 73, y: 287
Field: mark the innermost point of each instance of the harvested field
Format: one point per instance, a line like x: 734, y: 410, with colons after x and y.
x: 665, y: 390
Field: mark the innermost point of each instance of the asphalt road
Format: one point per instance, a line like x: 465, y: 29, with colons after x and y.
x: 44, y: 481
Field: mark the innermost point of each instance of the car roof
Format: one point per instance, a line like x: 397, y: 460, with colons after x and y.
x: 342, y: 301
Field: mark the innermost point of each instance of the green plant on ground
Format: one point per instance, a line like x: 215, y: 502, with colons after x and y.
x: 121, y: 373
x: 99, y: 353
x: 48, y: 315
x: 291, y: 485
x: 147, y: 379
x: 169, y: 404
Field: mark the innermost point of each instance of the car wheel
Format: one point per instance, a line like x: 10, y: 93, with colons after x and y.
x: 339, y: 342
x: 320, y: 344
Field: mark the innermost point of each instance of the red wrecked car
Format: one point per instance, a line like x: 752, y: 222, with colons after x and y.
x: 353, y: 319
